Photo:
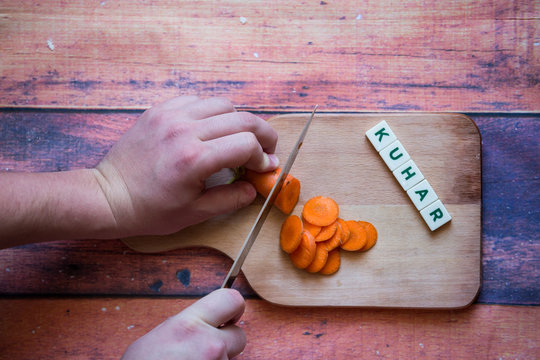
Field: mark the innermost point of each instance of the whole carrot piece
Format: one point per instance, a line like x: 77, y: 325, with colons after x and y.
x: 263, y: 183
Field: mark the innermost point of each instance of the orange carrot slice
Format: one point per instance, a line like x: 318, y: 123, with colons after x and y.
x: 305, y: 253
x: 321, y: 254
x: 313, y: 229
x: 263, y: 183
x: 371, y: 235
x: 321, y: 211
x: 358, y: 237
x: 290, y: 234
x: 335, y: 240
x: 345, y: 229
x: 332, y: 263
x: 327, y: 232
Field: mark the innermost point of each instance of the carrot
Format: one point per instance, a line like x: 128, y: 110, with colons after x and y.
x: 345, y: 229
x: 371, y: 233
x: 305, y: 253
x: 327, y: 232
x: 335, y: 240
x: 358, y: 237
x: 321, y: 211
x: 263, y: 183
x: 290, y: 234
x: 313, y: 229
x: 332, y: 263
x: 321, y: 254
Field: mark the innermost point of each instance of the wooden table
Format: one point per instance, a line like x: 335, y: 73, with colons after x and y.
x: 75, y: 75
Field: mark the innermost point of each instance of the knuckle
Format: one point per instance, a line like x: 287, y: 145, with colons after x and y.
x: 178, y: 130
x: 216, y: 349
x: 248, y: 120
x: 189, y: 156
x: 223, y: 102
x: 251, y: 142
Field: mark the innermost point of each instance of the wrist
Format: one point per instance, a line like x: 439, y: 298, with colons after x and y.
x: 53, y: 206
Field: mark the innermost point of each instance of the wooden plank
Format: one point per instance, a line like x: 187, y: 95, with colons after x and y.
x: 51, y: 140
x: 466, y: 56
x: 103, y: 327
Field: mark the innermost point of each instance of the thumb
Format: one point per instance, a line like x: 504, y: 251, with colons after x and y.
x: 222, y: 199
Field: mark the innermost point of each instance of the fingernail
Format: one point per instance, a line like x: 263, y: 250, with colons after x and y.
x: 274, y: 160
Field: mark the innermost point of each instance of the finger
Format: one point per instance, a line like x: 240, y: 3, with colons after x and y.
x: 231, y: 123
x: 234, y: 338
x: 205, y: 108
x: 219, y: 307
x: 223, y: 199
x: 240, y: 149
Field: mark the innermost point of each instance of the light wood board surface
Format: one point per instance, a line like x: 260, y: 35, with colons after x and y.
x: 410, y: 266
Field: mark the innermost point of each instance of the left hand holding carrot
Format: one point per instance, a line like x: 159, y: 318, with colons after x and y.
x: 154, y: 176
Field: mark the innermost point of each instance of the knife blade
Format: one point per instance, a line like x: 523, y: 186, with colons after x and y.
x: 265, y: 210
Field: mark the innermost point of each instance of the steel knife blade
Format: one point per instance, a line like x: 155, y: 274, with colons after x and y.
x: 267, y: 206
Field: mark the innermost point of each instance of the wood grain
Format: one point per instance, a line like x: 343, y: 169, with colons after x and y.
x: 63, y: 140
x: 465, y: 56
x: 101, y: 328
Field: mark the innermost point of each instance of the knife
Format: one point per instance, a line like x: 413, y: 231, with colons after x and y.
x: 265, y: 210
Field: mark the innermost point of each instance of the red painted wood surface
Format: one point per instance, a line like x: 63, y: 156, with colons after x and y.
x: 461, y: 55
x: 101, y: 328
x: 458, y: 56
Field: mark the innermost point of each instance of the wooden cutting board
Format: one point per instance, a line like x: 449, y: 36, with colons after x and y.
x: 410, y: 266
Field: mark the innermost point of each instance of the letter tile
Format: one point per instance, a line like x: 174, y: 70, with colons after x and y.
x: 408, y: 175
x: 435, y: 215
x: 394, y: 155
x: 422, y: 194
x: 381, y: 135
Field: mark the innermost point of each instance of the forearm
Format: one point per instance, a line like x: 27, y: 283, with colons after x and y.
x: 53, y: 206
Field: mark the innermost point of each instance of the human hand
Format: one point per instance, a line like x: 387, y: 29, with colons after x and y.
x: 205, y: 330
x: 154, y: 176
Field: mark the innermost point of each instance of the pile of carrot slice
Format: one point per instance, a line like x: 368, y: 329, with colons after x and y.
x: 314, y: 241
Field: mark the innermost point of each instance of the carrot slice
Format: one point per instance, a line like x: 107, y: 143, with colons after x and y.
x: 332, y: 263
x: 358, y: 237
x: 321, y: 211
x: 321, y: 254
x: 327, y: 232
x: 371, y: 233
x: 263, y: 183
x: 345, y: 229
x: 305, y: 253
x: 335, y: 240
x: 313, y: 229
x: 290, y: 234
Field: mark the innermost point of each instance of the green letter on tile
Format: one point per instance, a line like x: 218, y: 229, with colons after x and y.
x: 437, y: 214
x: 422, y: 194
x: 381, y: 133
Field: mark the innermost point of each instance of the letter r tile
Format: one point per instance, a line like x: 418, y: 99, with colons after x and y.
x: 435, y: 215
x: 381, y: 135
x: 394, y: 155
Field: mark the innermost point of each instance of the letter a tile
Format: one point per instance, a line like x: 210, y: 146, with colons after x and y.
x: 422, y: 194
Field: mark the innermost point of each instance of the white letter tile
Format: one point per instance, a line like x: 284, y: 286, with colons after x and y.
x: 381, y: 135
x: 435, y: 215
x: 408, y: 175
x: 422, y: 194
x: 394, y: 155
